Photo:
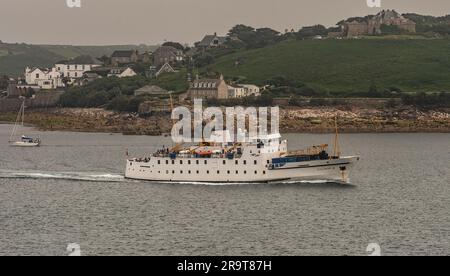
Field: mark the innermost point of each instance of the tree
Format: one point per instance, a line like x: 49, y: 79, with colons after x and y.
x: 311, y: 31
x: 203, y: 59
x: 176, y: 45
x: 105, y: 59
x: 251, y: 37
x: 373, y: 91
x: 4, y: 82
x: 240, y: 30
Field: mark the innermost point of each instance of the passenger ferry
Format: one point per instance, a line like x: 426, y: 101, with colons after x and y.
x: 261, y: 160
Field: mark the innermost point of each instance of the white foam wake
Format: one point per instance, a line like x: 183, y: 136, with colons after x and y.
x: 79, y: 176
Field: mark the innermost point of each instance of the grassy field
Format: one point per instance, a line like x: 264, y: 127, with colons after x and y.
x: 347, y: 65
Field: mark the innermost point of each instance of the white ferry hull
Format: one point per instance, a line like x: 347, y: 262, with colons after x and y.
x: 221, y: 171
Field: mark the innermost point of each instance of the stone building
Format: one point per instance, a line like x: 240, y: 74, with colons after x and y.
x: 167, y: 54
x: 208, y: 89
x: 124, y: 57
x: 372, y: 25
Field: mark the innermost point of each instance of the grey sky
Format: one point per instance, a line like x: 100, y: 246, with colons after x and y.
x: 100, y: 22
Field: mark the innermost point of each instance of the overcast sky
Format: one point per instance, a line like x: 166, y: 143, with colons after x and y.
x: 102, y: 22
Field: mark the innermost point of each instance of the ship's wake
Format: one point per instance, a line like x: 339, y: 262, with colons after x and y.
x: 75, y: 176
x: 112, y: 177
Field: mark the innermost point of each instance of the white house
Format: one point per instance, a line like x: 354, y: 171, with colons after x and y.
x: 53, y: 78
x: 243, y: 90
x: 75, y: 68
x: 236, y: 91
x: 122, y: 72
x: 44, y: 78
x: 251, y: 89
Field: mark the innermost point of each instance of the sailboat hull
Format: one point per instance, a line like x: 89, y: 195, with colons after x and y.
x: 24, y: 144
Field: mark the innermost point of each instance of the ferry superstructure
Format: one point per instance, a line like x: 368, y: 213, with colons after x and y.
x: 262, y: 160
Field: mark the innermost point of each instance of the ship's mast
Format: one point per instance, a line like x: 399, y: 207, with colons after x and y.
x: 23, y: 113
x: 337, y: 151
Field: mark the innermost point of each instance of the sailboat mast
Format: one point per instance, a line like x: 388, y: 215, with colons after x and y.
x: 19, y: 115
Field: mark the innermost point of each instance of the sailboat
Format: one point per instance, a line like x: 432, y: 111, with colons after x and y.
x: 25, y: 141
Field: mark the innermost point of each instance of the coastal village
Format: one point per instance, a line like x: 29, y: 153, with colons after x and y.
x: 41, y: 88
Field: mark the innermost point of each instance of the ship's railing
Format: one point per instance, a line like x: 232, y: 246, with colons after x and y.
x: 198, y: 156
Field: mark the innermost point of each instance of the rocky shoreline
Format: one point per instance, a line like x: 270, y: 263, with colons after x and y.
x: 293, y: 120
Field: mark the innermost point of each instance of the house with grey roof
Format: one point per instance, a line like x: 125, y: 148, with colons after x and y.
x: 124, y: 57
x: 167, y: 54
x: 211, y: 41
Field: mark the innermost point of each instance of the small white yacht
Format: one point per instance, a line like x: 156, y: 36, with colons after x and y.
x: 25, y: 141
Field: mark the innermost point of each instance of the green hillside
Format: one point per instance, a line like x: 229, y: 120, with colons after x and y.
x: 15, y: 57
x: 346, y: 65
x: 69, y: 51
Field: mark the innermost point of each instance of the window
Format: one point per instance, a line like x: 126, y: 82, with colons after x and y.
x: 207, y: 172
x: 189, y: 162
x: 256, y: 172
x: 173, y: 162
x: 173, y: 172
x: 159, y: 162
x: 181, y: 172
x: 76, y: 74
x: 37, y: 76
x: 256, y: 162
x: 206, y: 162
x: 264, y: 172
x: 236, y: 162
x: 218, y: 172
x: 167, y: 162
x: 228, y: 172
x: 181, y: 162
x: 167, y: 172
x: 237, y: 172
x: 245, y: 172
x: 198, y: 172
x: 224, y: 162
x: 189, y: 172
x: 245, y: 162
x: 268, y: 161
x: 197, y: 162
